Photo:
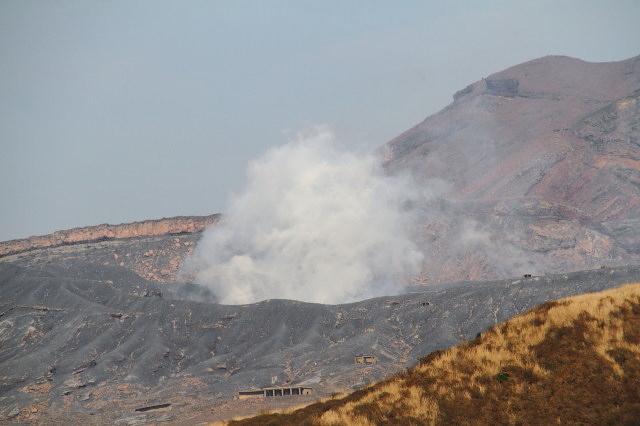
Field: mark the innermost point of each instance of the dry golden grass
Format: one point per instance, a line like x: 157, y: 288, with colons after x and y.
x: 572, y: 361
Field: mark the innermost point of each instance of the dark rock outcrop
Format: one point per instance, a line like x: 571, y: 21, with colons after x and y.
x: 502, y: 86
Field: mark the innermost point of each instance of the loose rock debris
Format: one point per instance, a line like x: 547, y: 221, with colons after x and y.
x: 97, y: 350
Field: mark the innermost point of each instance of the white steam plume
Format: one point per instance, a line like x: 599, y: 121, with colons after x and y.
x: 314, y: 223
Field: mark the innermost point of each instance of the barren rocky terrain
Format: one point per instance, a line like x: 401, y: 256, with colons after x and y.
x: 542, y: 168
x: 572, y: 361
x: 152, y: 249
x: 540, y: 165
x: 90, y: 234
x: 92, y: 343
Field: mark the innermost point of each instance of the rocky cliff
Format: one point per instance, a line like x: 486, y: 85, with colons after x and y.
x: 151, y: 249
x: 542, y: 162
x: 165, y: 226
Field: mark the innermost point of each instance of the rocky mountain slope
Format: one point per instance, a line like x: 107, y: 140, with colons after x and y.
x: 88, y: 343
x: 90, y: 234
x: 152, y: 249
x: 538, y: 167
x: 542, y: 168
x: 573, y: 361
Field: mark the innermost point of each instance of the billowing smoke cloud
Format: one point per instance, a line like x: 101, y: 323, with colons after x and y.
x: 314, y: 223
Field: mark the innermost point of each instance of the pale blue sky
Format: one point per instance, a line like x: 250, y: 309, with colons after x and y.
x: 117, y: 111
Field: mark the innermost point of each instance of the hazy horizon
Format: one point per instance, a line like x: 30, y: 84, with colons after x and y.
x: 115, y: 112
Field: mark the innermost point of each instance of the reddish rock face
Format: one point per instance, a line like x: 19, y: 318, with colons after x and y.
x: 170, y: 226
x: 152, y: 249
x: 542, y: 159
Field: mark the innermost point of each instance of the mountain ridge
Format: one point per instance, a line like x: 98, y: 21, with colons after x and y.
x: 95, y: 327
x: 543, y: 158
x: 102, y: 232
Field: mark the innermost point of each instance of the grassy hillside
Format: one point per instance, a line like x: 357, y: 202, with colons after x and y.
x: 576, y: 360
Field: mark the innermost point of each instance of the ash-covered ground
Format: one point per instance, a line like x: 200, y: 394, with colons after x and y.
x: 92, y: 343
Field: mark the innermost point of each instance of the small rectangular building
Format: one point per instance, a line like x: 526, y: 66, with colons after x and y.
x: 250, y: 394
x: 365, y: 359
x: 286, y: 391
x: 275, y: 391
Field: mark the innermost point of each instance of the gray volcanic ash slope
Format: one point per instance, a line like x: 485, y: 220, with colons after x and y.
x: 83, y: 339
